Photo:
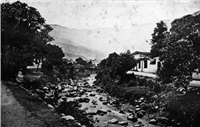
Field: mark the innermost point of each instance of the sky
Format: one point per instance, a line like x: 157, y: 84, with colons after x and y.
x: 126, y: 17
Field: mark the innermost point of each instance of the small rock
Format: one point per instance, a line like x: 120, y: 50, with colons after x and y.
x: 92, y: 94
x: 137, y: 106
x: 140, y: 114
x: 93, y: 106
x: 101, y: 112
x: 109, y: 110
x: 105, y: 103
x: 123, y: 123
x: 163, y: 119
x: 122, y: 111
x: 137, y: 125
x: 152, y: 121
x: 132, y: 118
x: 130, y: 110
x: 113, y: 121
x: 68, y: 117
x: 137, y: 109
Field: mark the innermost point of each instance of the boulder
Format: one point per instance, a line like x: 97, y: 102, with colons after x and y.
x: 122, y: 111
x: 152, y: 121
x: 101, y: 112
x: 113, y: 121
x: 102, y: 99
x: 163, y: 120
x: 81, y: 100
x: 94, y: 102
x: 68, y: 117
x: 137, y: 109
x: 92, y: 113
x: 104, y: 103
x: 132, y: 118
x: 141, y: 113
x: 137, y: 125
x: 92, y: 94
x: 123, y: 123
x: 130, y: 110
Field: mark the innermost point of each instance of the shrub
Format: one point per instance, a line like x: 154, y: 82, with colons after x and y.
x: 32, y: 81
x: 183, y: 110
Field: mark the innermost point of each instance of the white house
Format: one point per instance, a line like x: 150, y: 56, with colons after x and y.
x: 145, y: 62
x: 150, y: 65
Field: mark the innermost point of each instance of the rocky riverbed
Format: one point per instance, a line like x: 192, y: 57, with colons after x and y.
x: 105, y: 110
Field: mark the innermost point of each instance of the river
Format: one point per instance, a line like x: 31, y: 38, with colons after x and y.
x: 100, y: 106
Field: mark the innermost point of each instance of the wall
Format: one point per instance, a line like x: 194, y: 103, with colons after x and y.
x: 151, y: 68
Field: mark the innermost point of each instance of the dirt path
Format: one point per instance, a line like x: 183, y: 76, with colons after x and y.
x: 21, y: 109
x: 12, y: 113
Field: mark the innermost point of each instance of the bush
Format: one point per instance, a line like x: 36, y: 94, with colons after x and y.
x: 33, y: 81
x: 183, y: 110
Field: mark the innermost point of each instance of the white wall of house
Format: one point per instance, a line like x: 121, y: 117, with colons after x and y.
x: 150, y: 68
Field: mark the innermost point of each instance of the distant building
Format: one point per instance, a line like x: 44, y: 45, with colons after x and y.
x: 150, y: 65
x: 145, y: 63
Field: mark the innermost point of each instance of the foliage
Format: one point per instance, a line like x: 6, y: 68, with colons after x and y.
x: 115, y: 67
x: 158, y: 36
x: 182, y: 110
x: 24, y: 38
x: 181, y: 51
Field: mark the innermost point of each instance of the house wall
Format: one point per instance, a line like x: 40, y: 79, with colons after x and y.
x: 151, y: 68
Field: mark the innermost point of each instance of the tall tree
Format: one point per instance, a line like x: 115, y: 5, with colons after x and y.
x: 181, y: 55
x: 157, y: 40
x: 22, y: 31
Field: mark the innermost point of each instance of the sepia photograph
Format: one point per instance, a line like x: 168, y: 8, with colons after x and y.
x: 100, y: 63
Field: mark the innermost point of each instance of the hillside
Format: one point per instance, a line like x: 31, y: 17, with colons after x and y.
x: 72, y: 50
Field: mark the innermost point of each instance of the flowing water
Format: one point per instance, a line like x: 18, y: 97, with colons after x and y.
x: 95, y: 104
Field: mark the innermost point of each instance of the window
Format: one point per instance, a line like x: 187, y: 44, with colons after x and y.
x: 139, y: 65
x: 153, y: 62
x: 145, y: 63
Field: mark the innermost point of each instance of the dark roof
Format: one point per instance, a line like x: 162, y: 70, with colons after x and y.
x: 143, y: 53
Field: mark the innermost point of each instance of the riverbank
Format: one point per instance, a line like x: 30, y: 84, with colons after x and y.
x: 20, y: 109
x: 164, y: 103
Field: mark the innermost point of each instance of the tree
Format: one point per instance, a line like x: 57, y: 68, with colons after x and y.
x: 115, y: 67
x: 157, y: 40
x: 181, y: 54
x: 23, y: 30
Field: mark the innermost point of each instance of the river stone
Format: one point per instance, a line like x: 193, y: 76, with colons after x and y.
x: 94, y: 102
x: 163, y: 119
x: 68, y: 117
x: 92, y: 94
x: 104, y: 103
x: 152, y: 121
x: 132, y: 118
x: 137, y: 109
x: 123, y: 123
x: 92, y: 113
x: 86, y: 100
x: 101, y: 112
x: 137, y: 106
x: 130, y: 110
x: 122, y: 111
x: 140, y: 114
x: 113, y: 121
x: 137, y: 125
